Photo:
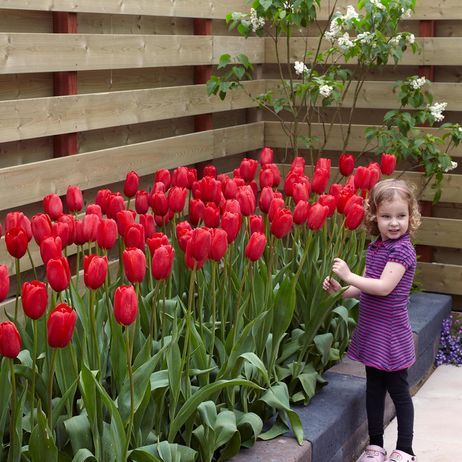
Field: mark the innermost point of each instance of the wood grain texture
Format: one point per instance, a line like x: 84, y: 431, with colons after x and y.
x: 439, y: 277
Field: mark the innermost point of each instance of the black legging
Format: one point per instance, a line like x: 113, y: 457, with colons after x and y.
x: 378, y: 383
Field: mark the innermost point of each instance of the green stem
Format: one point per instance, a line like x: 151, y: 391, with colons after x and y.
x: 95, y: 354
x: 50, y: 386
x: 18, y: 288
x: 238, y: 304
x: 214, y: 314
x: 32, y: 263
x: 34, y: 366
x: 153, y: 321
x: 129, y: 349
x: 13, y: 403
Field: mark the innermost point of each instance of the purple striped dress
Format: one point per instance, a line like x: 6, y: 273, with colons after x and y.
x: 383, y: 337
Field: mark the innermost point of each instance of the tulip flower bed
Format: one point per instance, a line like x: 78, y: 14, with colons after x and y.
x: 204, y: 330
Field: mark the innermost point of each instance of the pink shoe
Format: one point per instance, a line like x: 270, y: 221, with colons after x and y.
x: 401, y: 456
x: 373, y: 453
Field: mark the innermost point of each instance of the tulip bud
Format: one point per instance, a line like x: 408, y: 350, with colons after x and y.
x: 132, y: 182
x: 329, y: 201
x: 183, y: 234
x: 51, y: 247
x: 177, y: 198
x: 354, y: 199
x: 374, y: 175
x: 115, y: 204
x: 210, y: 170
x: 246, y: 199
x: 162, y: 262
x: 163, y: 176
x: 60, y: 326
x: 266, y: 196
x: 65, y: 229
x: 361, y: 179
x: 180, y: 177
x: 41, y: 227
x: 53, y: 206
x: 94, y: 271
x: 256, y: 224
x: 346, y: 164
x: 317, y: 216
x: 231, y: 223
x: 196, y: 211
x: 159, y: 203
x: 148, y: 223
x: 335, y: 189
x: 218, y: 244
x: 229, y: 188
x: 298, y: 165
x: 301, y: 212
x: 198, y: 246
x: 266, y: 156
x: 135, y: 236
x: 90, y: 225
x: 106, y: 235
x: 4, y: 282
x: 300, y: 192
x: 354, y: 217
x: 134, y: 262
x: 10, y: 340
x: 34, y: 298
x: 324, y: 163
x: 212, y: 215
x: 266, y: 178
x: 16, y: 242
x: 320, y: 180
x: 58, y: 273
x: 157, y: 240
x: 282, y: 223
x: 18, y: 220
x: 192, y: 176
x: 74, y: 199
x: 232, y: 205
x: 276, y: 204
x: 125, y: 305
x: 255, y: 247
x: 141, y: 202
x: 102, y: 198
x: 124, y: 219
x: 247, y: 169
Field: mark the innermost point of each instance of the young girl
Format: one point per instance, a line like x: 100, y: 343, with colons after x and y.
x: 383, y: 339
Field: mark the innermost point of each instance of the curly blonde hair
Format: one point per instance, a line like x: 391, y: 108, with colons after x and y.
x: 387, y: 190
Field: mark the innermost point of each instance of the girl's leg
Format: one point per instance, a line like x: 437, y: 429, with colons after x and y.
x: 398, y: 388
x: 376, y: 388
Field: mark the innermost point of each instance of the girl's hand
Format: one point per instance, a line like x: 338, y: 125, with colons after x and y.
x: 330, y: 285
x: 341, y: 269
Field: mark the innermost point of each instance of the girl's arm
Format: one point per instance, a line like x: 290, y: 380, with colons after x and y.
x: 391, y: 275
x: 332, y: 286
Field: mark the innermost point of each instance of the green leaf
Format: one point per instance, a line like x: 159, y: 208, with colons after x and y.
x: 278, y: 429
x: 224, y: 60
x: 79, y: 432
x: 5, y: 395
x: 41, y: 443
x: 252, y: 358
x: 323, y: 344
x: 82, y: 455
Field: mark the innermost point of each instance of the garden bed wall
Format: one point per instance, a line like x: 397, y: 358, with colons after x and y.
x: 125, y: 90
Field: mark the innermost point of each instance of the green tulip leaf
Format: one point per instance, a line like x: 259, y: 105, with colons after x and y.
x: 41, y: 444
x: 5, y: 395
x: 79, y: 432
x: 83, y: 455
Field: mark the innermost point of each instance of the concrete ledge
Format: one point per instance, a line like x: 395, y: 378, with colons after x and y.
x: 335, y: 423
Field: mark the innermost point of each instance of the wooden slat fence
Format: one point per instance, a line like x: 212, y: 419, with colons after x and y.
x: 137, y: 102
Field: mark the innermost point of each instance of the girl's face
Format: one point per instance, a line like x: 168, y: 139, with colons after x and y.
x: 393, y: 218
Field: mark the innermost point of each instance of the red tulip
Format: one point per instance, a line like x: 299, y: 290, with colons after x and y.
x: 208, y: 189
x: 177, y: 198
x: 157, y: 240
x: 134, y: 262
x: 346, y: 164
x: 41, y: 227
x: 317, y: 216
x: 276, y: 174
x: 102, y: 199
x: 298, y: 165
x: 192, y: 176
x: 247, y: 169
x: 210, y: 170
x: 53, y: 206
x: 301, y: 212
x: 90, y: 225
x: 354, y: 199
x: 148, y: 223
x: 135, y: 236
x: 34, y: 298
x: 289, y: 182
x: 256, y: 224
x: 16, y: 242
x: 94, y: 271
x: 266, y: 156
x: 196, y: 211
x: 246, y: 199
x: 329, y: 201
x: 282, y: 223
x: 354, y: 217
x: 255, y: 247
x: 163, y: 176
x: 300, y: 192
x: 10, y: 340
x: 79, y: 236
x: 335, y: 189
x: 162, y: 262
x: 212, y: 215
x: 106, y: 234
x: 132, y: 183
x: 229, y: 188
x: 388, y: 163
x: 198, y: 246
x: 67, y: 235
x: 266, y: 196
x: 115, y: 204
x: 18, y: 220
x: 361, y: 178
x: 60, y: 326
x: 159, y: 203
x: 266, y: 178
x: 232, y: 205
x: 180, y: 177
x: 125, y: 305
x: 51, y: 247
x: 320, y: 180
x: 374, y: 174
x: 343, y: 198
x: 141, y: 201
x: 231, y: 223
x: 276, y: 204
x: 4, y: 282
x: 124, y: 219
x: 183, y: 234
x: 94, y: 209
x: 74, y: 199
x: 58, y: 273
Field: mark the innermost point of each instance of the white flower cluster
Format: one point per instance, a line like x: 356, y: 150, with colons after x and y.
x: 377, y: 4
x: 411, y: 38
x: 365, y: 37
x: 406, y: 13
x: 460, y: 129
x: 300, y: 67
x: 351, y: 13
x: 288, y: 6
x: 417, y: 83
x: 325, y: 90
x: 345, y: 42
x: 436, y: 111
x: 334, y: 28
x: 396, y: 39
x: 450, y: 167
x: 255, y: 21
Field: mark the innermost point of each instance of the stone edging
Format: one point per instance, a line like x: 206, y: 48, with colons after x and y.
x: 334, y: 423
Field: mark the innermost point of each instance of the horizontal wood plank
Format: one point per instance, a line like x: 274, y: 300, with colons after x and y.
x: 440, y: 232
x: 439, y: 277
x: 275, y: 137
x: 425, y: 9
x: 28, y: 183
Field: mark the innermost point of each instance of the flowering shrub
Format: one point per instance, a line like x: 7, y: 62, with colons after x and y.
x: 450, y: 348
x: 315, y: 80
x: 199, y: 332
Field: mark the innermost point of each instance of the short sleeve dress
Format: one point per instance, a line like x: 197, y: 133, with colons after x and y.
x: 383, y: 337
